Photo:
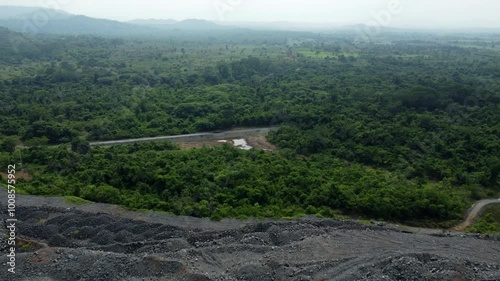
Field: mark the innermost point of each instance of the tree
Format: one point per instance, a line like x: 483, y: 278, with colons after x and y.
x: 80, y: 145
x: 8, y: 144
x: 102, y: 194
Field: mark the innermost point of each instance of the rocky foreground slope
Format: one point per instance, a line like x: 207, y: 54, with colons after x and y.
x: 104, y: 242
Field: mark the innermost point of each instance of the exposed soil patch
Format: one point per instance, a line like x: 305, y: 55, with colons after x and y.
x: 198, y: 137
x: 257, y: 141
x: 19, y: 175
x: 199, y: 144
x: 261, y: 142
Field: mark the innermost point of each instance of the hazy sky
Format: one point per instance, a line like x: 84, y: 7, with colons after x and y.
x: 443, y: 13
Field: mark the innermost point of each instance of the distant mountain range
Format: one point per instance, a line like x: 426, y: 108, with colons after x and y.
x: 49, y: 21
x: 15, y: 12
x: 41, y: 20
x: 30, y: 19
x: 14, y: 46
x: 189, y: 24
x: 153, y: 22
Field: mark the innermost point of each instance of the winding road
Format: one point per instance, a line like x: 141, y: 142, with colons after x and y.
x: 192, y: 137
x: 474, y: 212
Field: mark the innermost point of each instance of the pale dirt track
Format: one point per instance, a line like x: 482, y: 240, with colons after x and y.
x: 474, y: 212
x: 192, y: 137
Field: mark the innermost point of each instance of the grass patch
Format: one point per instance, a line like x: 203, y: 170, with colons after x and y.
x: 323, y: 55
x: 489, y: 222
x: 494, y: 211
x: 482, y: 47
x: 485, y: 225
x: 25, y: 245
x: 76, y: 200
x: 365, y: 222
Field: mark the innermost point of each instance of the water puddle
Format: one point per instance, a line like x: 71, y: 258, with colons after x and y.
x: 241, y: 144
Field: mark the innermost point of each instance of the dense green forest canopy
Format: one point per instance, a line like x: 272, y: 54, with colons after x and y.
x: 404, y: 127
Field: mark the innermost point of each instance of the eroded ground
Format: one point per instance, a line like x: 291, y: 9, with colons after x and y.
x: 256, y: 141
x: 105, y: 242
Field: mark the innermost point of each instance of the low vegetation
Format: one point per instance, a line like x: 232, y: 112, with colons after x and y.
x: 489, y: 222
x: 402, y: 129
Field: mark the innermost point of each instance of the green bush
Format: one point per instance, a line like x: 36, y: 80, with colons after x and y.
x: 102, y: 194
x: 486, y: 225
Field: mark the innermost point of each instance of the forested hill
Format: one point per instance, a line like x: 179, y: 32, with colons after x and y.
x: 18, y: 12
x: 16, y: 46
x: 26, y: 20
x: 403, y: 128
x: 77, y: 25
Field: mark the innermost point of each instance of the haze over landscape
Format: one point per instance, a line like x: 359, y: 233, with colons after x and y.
x: 405, y: 13
x: 250, y: 140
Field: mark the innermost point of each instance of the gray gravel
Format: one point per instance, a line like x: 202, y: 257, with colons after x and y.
x: 103, y: 242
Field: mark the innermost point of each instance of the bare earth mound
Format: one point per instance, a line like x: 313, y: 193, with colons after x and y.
x: 83, y: 243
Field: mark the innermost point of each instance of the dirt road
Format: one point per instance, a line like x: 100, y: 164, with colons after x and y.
x: 474, y: 212
x: 104, y: 242
x: 192, y: 137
